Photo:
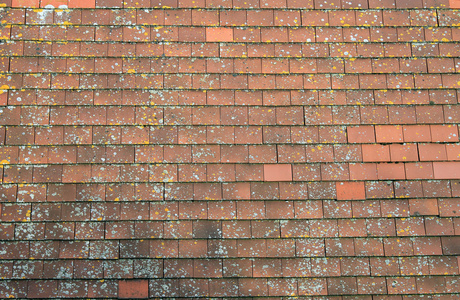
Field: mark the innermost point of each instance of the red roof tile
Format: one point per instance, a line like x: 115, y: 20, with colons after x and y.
x: 228, y: 149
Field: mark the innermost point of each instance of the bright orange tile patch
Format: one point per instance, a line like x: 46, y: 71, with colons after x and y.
x: 277, y: 172
x: 26, y: 3
x: 219, y: 34
x: 454, y: 3
x: 54, y: 3
x: 446, y: 170
x: 350, y: 191
x: 82, y: 3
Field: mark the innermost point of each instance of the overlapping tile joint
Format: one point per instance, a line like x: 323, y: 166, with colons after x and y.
x: 230, y: 149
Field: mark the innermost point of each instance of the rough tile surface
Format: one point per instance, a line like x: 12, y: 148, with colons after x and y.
x: 230, y: 149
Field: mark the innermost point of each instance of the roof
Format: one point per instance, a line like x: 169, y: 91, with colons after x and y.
x: 230, y: 149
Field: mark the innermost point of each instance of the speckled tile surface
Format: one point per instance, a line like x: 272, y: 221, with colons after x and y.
x: 230, y: 149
